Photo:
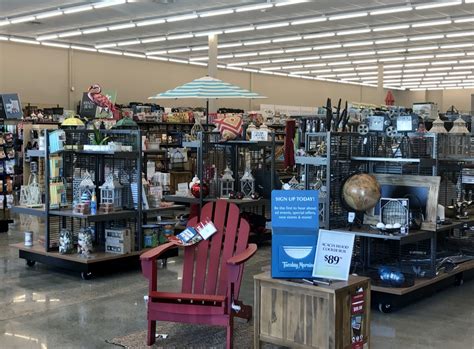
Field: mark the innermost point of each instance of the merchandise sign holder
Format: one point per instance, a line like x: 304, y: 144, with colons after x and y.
x: 333, y: 255
x: 295, y: 225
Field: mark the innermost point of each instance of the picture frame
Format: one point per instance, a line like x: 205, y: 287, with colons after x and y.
x: 428, y: 184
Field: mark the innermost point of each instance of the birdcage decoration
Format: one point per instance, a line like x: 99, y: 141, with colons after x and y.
x: 30, y: 194
x: 395, y: 213
x: 86, y: 188
x: 227, y: 182
x: 438, y: 126
x: 247, y: 183
x: 111, y: 192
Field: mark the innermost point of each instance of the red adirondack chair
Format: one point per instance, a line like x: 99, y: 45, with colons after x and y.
x: 212, y: 273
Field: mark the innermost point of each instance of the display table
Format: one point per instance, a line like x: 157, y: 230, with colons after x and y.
x: 300, y: 315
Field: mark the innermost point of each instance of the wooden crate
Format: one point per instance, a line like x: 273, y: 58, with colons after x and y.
x: 179, y: 177
x: 299, y: 315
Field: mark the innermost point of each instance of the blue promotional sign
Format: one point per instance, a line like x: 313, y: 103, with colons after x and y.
x: 295, y: 225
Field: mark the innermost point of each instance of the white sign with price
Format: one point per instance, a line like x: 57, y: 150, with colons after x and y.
x: 259, y: 135
x: 333, y: 255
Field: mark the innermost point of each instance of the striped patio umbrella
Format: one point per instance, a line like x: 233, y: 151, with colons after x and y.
x: 207, y: 88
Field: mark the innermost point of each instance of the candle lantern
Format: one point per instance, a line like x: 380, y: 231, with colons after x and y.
x: 111, y: 192
x: 227, y: 182
x: 247, y: 183
x: 86, y: 188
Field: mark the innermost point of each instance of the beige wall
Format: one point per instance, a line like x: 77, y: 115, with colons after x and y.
x: 45, y: 75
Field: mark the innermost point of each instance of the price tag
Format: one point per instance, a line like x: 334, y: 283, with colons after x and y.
x: 259, y: 135
x: 333, y: 255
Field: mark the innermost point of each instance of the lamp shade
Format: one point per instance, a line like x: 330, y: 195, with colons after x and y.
x: 73, y: 121
x: 125, y: 123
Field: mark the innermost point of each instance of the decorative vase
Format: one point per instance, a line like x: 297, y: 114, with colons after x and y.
x: 66, y: 244
x: 84, y: 247
x: 196, y: 189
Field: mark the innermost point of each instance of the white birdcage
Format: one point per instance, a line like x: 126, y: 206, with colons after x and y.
x: 247, y: 183
x: 227, y: 182
x: 111, y: 192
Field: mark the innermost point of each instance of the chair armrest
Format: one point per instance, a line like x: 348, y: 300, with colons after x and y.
x: 243, y: 256
x: 155, y: 252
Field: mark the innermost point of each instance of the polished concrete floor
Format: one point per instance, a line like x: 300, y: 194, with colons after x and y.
x: 42, y: 307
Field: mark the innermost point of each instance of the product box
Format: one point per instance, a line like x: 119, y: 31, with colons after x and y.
x: 118, y: 241
x: 295, y: 225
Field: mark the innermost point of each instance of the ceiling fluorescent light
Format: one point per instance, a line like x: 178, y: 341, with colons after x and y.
x: 427, y: 37
x: 128, y: 43
x: 307, y: 58
x: 178, y: 50
x: 447, y: 55
x: 411, y: 58
x: 83, y: 48
x: 256, y: 42
x: 438, y: 4
x: 460, y: 34
x: 353, y: 31
x: 266, y: 61
x: 464, y: 67
x: 298, y: 66
x: 309, y: 20
x: 414, y: 70
x: 392, y: 59
x: 370, y: 67
x: 239, y: 29
x: 198, y: 48
x: 151, y: 22
x: 53, y: 44
x: 154, y: 53
x: 180, y: 36
x: 182, y: 17
x: 287, y: 38
x: 24, y: 41
x: 391, y: 10
x: 391, y: 27
x: 389, y: 66
x: 420, y: 64
x: 253, y: 7
x: 110, y: 52
x: 358, y: 43
x: 431, y: 23
x: 134, y: 55
x: 319, y: 35
x: 314, y: 65
x: 70, y: 34
x: 47, y: 37
x: 348, y: 15
x: 49, y: 14
x: 225, y: 56
x: 456, y: 46
x: 272, y: 25
x: 203, y: 58
x: 362, y: 53
x: 250, y: 70
x: 122, y: 26
x: 4, y: 22
x: 338, y: 55
x: 174, y: 60
x: 271, y: 68
x: 388, y: 72
x: 112, y: 44
x: 298, y: 49
x: 343, y: 69
x: 326, y: 47
x: 246, y: 54
x: 233, y: 68
x: 22, y: 19
x: 340, y: 63
x: 465, y: 72
x: 156, y: 39
x: 283, y: 60
x: 422, y: 48
x: 199, y: 63
x: 95, y: 30
x: 299, y: 72
x: 436, y: 74
x: 3, y: 38
x: 109, y: 3
x: 207, y: 33
x: 225, y: 11
x: 390, y: 41
x: 230, y: 44
x: 439, y: 69
x: 280, y: 74
x: 271, y: 52
x: 238, y: 63
x: 365, y: 61
x: 464, y: 20
x: 158, y: 58
x: 77, y: 9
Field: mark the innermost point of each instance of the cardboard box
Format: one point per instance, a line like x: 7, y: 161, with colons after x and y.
x: 295, y: 226
x: 118, y: 241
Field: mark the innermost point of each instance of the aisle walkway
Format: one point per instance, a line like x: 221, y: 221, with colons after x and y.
x: 46, y: 308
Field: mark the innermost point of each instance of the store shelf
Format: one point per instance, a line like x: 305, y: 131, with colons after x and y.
x: 156, y: 151
x: 183, y: 199
x: 420, y: 283
x: 412, y: 236
x: 31, y: 211
x: 35, y: 153
x: 311, y: 160
x: 163, y: 209
x: 117, y: 154
x: 99, y: 217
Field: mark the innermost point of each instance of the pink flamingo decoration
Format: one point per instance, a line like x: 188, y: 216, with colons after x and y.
x: 101, y: 101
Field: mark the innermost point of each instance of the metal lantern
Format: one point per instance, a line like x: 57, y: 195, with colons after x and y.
x: 111, y: 192
x: 438, y: 126
x: 227, y: 182
x: 247, y: 183
x: 86, y: 188
x: 459, y: 127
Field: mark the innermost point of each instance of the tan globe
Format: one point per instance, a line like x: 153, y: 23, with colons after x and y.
x: 361, y: 192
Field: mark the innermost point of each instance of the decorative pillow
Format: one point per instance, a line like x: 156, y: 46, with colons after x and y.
x: 229, y: 126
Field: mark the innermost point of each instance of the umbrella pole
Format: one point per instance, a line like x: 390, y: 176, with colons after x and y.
x: 207, y: 111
